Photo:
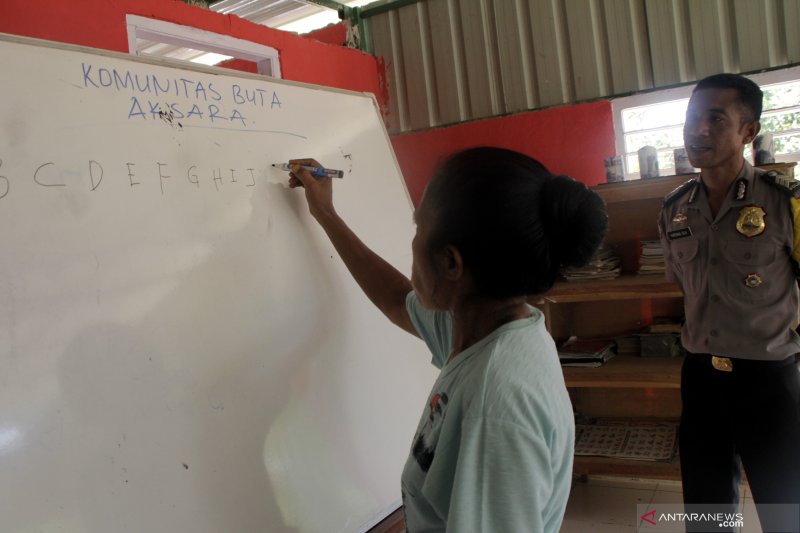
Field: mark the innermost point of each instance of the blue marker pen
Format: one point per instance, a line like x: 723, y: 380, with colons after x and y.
x: 317, y: 172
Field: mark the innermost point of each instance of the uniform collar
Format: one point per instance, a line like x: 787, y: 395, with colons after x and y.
x: 742, y: 188
x: 740, y: 193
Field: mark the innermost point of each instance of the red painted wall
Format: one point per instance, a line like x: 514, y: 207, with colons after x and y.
x: 101, y: 24
x: 331, y: 34
x: 241, y: 65
x: 570, y: 140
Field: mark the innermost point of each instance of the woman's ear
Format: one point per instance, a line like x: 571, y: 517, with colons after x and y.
x: 452, y: 263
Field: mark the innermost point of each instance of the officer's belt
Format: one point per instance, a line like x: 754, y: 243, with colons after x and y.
x: 729, y: 364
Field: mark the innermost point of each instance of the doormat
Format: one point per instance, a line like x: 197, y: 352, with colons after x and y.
x: 641, y: 440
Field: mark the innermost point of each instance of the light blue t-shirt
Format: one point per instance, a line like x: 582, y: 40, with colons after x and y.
x: 493, y: 450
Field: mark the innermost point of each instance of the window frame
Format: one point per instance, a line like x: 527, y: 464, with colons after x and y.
x: 266, y: 58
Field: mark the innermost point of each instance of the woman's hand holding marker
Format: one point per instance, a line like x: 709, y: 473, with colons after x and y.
x: 319, y: 191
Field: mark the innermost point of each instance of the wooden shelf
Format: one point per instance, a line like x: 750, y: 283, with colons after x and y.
x: 626, y: 387
x: 626, y: 371
x: 641, y: 189
x: 627, y: 287
x: 608, y: 466
x: 657, y: 188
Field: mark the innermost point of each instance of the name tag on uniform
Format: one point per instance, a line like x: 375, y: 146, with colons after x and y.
x: 679, y: 233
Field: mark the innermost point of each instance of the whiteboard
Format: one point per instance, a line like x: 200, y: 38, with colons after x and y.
x: 181, y: 349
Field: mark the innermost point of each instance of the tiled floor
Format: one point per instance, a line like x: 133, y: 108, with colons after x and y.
x: 608, y: 504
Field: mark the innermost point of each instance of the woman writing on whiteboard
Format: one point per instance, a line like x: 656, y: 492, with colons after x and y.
x: 493, y: 449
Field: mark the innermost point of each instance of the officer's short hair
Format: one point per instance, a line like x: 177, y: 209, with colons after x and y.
x: 750, y: 94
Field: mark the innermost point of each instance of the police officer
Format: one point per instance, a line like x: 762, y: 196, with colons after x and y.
x: 731, y: 239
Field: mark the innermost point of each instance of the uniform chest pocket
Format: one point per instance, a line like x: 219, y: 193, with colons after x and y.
x: 685, y: 257
x: 747, y: 277
x: 683, y: 250
x: 748, y: 253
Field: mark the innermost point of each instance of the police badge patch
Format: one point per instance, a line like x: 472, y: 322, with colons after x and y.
x: 751, y: 221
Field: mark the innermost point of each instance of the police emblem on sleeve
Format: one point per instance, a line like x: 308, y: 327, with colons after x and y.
x: 751, y: 221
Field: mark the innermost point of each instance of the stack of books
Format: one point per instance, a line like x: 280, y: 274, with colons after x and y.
x: 586, y: 352
x: 604, y: 265
x: 651, y: 258
x: 662, y: 339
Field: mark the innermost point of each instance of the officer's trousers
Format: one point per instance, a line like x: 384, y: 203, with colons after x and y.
x: 747, y: 417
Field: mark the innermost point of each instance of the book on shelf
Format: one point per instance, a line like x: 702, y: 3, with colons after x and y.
x: 664, y: 326
x: 604, y: 265
x: 586, y: 352
x: 659, y: 339
x: 651, y: 257
x: 660, y: 345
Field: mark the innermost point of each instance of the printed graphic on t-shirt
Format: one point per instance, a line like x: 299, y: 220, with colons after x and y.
x: 428, y: 436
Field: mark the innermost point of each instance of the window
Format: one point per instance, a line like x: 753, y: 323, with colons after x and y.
x: 658, y: 125
x: 781, y: 117
x: 164, y: 39
x: 656, y: 119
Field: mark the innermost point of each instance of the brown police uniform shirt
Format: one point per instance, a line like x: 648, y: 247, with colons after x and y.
x: 736, y: 271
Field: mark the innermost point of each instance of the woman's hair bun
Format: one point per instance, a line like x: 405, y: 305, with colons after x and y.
x: 514, y: 222
x: 574, y: 218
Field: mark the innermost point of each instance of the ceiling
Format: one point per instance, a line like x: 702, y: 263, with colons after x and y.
x: 299, y: 16
x: 272, y: 13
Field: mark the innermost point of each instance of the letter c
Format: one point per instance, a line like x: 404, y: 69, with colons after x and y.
x: 36, y: 177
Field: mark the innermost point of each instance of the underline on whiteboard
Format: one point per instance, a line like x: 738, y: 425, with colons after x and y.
x: 249, y: 131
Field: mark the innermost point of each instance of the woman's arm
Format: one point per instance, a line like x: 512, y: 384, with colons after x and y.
x: 383, y: 284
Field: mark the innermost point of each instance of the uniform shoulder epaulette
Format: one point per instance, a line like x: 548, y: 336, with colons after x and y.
x: 786, y: 184
x: 680, y: 191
